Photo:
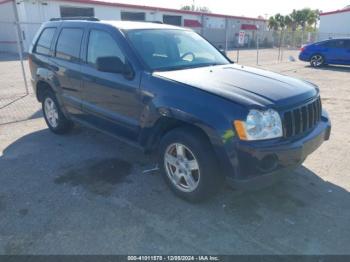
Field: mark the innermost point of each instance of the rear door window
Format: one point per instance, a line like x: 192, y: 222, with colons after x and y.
x: 69, y: 44
x: 336, y: 44
x: 347, y: 44
x: 44, y: 42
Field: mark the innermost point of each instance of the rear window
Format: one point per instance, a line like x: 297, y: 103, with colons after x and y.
x: 69, y: 43
x: 44, y: 42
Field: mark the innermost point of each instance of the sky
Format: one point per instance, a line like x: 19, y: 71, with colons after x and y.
x: 250, y: 8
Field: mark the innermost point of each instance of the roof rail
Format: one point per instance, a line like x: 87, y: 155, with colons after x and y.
x: 86, y: 18
x: 155, y: 22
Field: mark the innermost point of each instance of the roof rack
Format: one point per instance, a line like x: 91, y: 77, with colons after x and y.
x: 86, y: 18
x: 155, y: 22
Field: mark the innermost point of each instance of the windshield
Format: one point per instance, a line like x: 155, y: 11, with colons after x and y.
x: 171, y: 49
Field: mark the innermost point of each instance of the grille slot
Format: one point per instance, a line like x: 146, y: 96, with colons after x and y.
x: 301, y: 119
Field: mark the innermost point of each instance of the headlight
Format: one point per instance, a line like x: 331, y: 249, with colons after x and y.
x: 259, y: 125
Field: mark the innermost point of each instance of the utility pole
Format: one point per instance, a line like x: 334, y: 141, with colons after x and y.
x: 257, y: 48
x: 226, y: 35
x: 20, y: 45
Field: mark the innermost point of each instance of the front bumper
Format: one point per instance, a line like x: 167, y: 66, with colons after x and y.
x: 265, y: 158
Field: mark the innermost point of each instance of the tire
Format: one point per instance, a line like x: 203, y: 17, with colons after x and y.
x: 179, y: 169
x: 317, y: 60
x: 53, y: 115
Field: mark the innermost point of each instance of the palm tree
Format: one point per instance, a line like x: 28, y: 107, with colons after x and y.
x: 313, y: 17
x: 273, y: 24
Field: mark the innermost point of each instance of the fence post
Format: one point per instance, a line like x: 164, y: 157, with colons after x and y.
x: 257, y: 46
x: 226, y: 35
x: 279, y: 46
x: 20, y: 45
x: 282, y: 49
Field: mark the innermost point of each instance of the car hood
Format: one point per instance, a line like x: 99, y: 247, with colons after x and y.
x: 247, y: 85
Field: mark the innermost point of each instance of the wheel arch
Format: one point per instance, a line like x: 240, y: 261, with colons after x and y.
x: 41, y: 88
x: 151, y: 137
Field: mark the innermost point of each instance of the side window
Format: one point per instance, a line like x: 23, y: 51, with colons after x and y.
x: 336, y: 44
x: 69, y: 43
x: 347, y: 44
x: 340, y: 44
x: 327, y: 44
x: 45, y: 40
x: 102, y: 44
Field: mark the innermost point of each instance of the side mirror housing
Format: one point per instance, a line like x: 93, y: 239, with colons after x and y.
x: 113, y: 64
x: 222, y: 51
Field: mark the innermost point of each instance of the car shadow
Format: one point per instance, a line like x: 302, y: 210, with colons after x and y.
x: 338, y: 68
x: 89, y: 185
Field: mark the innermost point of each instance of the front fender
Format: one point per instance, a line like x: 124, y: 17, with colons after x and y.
x: 216, y: 124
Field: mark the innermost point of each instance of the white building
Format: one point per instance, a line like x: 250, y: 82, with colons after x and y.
x: 31, y: 13
x: 335, y: 24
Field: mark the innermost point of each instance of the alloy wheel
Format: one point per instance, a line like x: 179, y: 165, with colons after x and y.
x: 316, y: 60
x: 182, y: 167
x: 51, y: 112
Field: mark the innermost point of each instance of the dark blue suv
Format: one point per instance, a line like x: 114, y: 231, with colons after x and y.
x: 334, y: 51
x: 167, y: 90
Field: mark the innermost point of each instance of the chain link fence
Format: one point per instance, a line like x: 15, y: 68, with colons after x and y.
x: 17, y: 101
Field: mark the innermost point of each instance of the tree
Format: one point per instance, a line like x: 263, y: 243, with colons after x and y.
x: 273, y: 24
x: 296, y: 19
x: 187, y: 8
x: 313, y: 18
x: 202, y: 9
x: 277, y: 22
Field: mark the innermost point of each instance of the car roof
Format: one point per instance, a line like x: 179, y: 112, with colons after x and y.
x: 122, y: 25
x: 340, y: 38
x: 131, y: 25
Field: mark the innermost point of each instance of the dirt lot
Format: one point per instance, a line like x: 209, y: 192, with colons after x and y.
x: 86, y: 192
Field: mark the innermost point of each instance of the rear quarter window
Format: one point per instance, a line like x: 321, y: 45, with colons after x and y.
x: 69, y: 44
x: 44, y: 42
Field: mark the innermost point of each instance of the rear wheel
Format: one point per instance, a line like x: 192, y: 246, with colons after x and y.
x: 317, y: 60
x: 53, y: 115
x: 189, y: 165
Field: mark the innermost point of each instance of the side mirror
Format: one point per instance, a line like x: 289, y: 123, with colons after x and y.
x: 222, y: 51
x: 113, y: 64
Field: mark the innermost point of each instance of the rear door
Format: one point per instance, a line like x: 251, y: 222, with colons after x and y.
x: 347, y: 52
x: 111, y: 101
x: 336, y: 52
x: 40, y: 53
x: 66, y: 64
x: 330, y: 51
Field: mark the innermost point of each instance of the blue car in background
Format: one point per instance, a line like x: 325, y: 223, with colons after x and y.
x: 334, y: 51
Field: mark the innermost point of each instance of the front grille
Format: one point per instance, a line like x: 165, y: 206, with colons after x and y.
x: 303, y: 118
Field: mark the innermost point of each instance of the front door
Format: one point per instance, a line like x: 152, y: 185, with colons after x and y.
x: 111, y: 101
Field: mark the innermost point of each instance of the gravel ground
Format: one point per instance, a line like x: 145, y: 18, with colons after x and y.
x: 86, y: 193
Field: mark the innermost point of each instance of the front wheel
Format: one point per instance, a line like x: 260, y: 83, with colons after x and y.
x: 317, y: 60
x: 189, y: 165
x: 53, y: 115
